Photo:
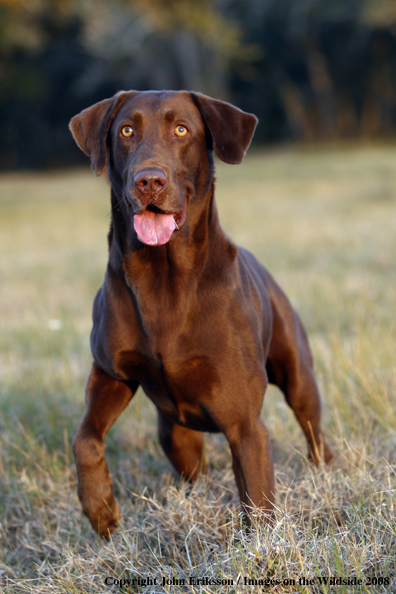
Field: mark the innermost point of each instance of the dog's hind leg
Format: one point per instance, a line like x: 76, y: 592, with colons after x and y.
x: 290, y: 367
x: 183, y: 447
x: 105, y: 400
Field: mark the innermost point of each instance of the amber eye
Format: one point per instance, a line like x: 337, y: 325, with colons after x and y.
x: 127, y: 131
x: 181, y: 130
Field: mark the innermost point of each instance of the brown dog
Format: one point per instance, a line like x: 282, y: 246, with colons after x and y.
x: 183, y: 312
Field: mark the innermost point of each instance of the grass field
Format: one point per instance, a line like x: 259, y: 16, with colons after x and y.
x: 323, y: 221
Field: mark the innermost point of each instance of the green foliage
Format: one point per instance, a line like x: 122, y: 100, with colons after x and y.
x: 311, y: 70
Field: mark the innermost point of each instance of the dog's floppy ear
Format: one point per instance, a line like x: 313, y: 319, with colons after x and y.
x: 231, y: 128
x: 90, y: 128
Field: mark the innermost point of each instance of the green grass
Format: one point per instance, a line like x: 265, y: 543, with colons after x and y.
x: 323, y: 221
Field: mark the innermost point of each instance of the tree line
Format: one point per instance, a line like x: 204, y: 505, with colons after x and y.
x: 311, y: 70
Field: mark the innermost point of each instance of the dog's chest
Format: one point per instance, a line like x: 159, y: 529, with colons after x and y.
x: 180, y: 389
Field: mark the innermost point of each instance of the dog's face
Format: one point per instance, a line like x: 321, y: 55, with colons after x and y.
x: 158, y: 147
x: 159, y: 159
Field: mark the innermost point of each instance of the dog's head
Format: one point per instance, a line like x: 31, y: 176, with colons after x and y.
x: 158, y: 149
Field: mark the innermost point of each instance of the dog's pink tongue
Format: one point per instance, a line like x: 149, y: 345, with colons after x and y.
x: 154, y: 228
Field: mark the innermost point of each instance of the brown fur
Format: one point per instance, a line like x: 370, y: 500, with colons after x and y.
x: 197, y: 322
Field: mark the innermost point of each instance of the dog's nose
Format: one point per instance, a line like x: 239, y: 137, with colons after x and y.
x: 150, y: 181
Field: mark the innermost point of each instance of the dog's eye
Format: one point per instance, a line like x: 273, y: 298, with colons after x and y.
x: 181, y: 130
x: 127, y: 131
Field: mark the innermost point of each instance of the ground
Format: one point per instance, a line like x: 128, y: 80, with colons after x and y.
x: 323, y: 221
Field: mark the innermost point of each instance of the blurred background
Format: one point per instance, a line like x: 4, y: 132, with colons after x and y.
x: 311, y: 70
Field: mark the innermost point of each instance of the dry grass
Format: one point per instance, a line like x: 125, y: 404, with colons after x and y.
x: 324, y: 223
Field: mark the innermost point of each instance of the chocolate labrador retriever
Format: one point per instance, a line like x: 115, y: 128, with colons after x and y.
x: 183, y: 312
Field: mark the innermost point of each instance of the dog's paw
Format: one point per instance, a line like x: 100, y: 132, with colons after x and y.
x: 321, y: 454
x: 103, y: 514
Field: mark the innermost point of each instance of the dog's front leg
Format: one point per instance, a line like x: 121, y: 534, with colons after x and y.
x: 253, y: 466
x: 105, y: 400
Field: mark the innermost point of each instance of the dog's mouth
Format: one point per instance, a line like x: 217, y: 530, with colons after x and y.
x: 155, y: 226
